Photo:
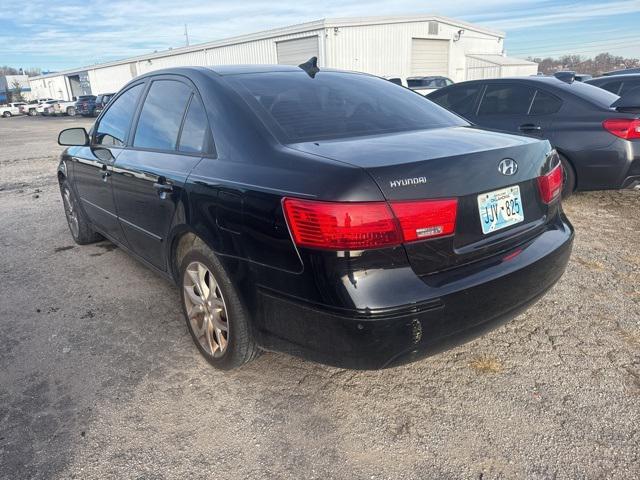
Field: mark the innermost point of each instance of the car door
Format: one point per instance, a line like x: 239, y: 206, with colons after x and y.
x: 93, y: 165
x: 170, y: 137
x: 505, y: 106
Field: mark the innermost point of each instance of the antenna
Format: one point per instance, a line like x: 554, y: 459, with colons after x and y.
x: 310, y: 66
x: 186, y: 34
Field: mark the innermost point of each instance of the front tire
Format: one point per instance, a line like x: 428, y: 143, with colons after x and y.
x: 6, y: 114
x: 79, y: 226
x: 71, y: 111
x: 33, y: 112
x: 569, y: 178
x: 215, y: 315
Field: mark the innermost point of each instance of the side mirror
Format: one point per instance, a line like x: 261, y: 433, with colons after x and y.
x: 73, y: 137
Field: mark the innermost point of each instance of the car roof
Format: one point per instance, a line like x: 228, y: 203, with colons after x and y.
x: 239, y: 69
x: 582, y: 90
x: 615, y: 78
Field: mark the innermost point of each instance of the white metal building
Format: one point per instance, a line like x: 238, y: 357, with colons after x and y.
x: 386, y: 46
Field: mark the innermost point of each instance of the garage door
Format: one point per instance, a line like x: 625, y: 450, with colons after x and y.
x: 429, y: 57
x: 295, y: 52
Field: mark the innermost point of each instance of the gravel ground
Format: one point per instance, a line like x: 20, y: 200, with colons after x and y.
x: 99, y: 378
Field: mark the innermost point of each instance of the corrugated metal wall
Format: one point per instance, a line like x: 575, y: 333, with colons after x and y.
x: 386, y: 49
x: 478, y: 69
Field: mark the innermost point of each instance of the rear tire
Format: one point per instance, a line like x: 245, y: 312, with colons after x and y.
x: 569, y: 178
x: 79, y: 225
x: 71, y: 111
x: 6, y: 114
x: 33, y: 112
x: 215, y: 315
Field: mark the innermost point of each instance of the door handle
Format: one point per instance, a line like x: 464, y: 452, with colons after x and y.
x: 530, y: 127
x: 163, y: 188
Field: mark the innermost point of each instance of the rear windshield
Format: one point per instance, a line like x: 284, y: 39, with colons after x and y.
x: 299, y: 108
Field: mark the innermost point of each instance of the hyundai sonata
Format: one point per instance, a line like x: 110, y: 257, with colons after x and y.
x: 330, y: 215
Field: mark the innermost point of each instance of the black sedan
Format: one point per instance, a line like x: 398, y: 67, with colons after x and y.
x: 331, y: 215
x: 598, y: 143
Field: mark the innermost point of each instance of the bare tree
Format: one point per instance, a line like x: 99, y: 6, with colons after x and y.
x: 601, y: 63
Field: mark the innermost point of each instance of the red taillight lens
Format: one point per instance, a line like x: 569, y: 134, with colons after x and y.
x: 341, y: 226
x: 426, y: 219
x: 627, y: 128
x: 550, y: 185
x: 359, y: 226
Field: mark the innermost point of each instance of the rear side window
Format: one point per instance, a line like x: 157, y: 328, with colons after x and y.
x: 297, y: 107
x: 194, y: 130
x: 114, y: 125
x: 545, y: 104
x: 613, y: 87
x: 627, y: 86
x: 460, y: 99
x: 503, y: 99
x: 161, y: 115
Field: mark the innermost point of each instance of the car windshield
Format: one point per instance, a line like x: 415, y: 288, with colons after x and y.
x: 298, y: 108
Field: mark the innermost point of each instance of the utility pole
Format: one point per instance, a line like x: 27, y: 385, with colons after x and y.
x: 186, y: 34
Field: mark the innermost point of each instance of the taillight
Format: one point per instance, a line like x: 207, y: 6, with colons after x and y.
x: 627, y: 128
x: 550, y: 185
x: 426, y: 218
x: 364, y: 225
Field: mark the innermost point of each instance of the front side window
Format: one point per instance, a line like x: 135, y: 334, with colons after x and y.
x: 502, y: 99
x: 162, y: 115
x: 460, y: 99
x: 114, y: 125
x: 297, y: 107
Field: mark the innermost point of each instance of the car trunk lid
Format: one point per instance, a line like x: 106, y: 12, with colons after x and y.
x: 461, y: 163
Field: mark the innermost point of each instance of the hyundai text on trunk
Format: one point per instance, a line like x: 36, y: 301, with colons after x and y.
x: 330, y: 215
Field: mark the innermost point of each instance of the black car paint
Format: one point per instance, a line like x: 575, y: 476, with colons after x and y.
x: 358, y: 309
x: 599, y: 159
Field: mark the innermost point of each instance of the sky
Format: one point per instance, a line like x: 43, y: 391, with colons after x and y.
x: 59, y: 34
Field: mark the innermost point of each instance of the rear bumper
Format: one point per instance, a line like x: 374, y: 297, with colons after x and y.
x: 457, y: 306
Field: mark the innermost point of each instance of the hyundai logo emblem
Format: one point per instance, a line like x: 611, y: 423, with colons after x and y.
x: 508, y: 166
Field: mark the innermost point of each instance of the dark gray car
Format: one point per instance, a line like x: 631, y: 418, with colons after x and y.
x: 597, y: 138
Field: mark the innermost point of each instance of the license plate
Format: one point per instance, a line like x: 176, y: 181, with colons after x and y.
x: 500, y: 209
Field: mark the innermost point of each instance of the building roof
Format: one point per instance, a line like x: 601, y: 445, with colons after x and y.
x: 291, y: 29
x: 501, y: 60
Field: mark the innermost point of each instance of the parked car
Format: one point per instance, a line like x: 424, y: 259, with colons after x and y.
x: 65, y: 108
x: 426, y: 85
x: 598, y: 144
x: 624, y: 71
x: 86, y: 105
x: 396, y: 80
x: 101, y: 102
x: 31, y: 108
x: 11, y: 109
x: 47, y: 107
x: 617, y: 84
x: 331, y: 215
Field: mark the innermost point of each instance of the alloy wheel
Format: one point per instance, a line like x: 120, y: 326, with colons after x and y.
x: 206, y: 309
x: 70, y: 211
